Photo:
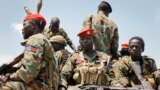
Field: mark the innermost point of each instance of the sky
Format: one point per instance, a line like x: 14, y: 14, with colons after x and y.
x: 133, y: 18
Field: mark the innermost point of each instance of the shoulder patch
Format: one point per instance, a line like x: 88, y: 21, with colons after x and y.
x: 30, y: 48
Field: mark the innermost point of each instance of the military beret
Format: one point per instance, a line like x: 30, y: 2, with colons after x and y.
x: 124, y: 45
x: 86, y: 32
x: 35, y: 16
x: 105, y: 5
x: 59, y: 39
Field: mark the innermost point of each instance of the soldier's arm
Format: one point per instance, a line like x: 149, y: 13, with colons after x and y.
x: 67, y: 72
x: 69, y: 41
x: 115, y: 42
x: 121, y: 74
x: 31, y: 63
x: 156, y: 74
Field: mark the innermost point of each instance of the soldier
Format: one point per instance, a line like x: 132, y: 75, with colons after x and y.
x: 124, y: 69
x: 106, y: 30
x: 54, y: 29
x: 124, y: 53
x: 37, y: 67
x: 58, y: 43
x: 85, y: 67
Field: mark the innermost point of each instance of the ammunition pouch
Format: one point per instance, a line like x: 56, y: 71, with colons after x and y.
x: 89, y: 74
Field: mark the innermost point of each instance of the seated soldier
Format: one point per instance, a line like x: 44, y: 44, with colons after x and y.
x: 85, y: 67
x: 137, y: 70
x: 124, y: 53
x: 58, y: 43
x: 37, y: 67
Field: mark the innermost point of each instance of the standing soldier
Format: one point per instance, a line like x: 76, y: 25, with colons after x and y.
x: 37, y: 67
x: 137, y: 69
x: 105, y: 29
x: 58, y: 43
x: 85, y: 67
x: 54, y: 29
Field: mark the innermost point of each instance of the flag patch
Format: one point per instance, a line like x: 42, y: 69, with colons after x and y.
x: 31, y: 48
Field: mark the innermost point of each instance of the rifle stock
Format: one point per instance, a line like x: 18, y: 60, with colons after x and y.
x: 137, y: 70
x: 16, y: 60
x: 8, y: 68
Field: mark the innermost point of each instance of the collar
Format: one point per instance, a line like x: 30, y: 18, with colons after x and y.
x: 101, y: 13
x: 23, y: 43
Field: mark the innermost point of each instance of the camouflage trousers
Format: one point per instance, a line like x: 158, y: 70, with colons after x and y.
x: 17, y: 85
x: 14, y: 85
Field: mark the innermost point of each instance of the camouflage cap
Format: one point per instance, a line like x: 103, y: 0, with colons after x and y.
x: 59, y: 39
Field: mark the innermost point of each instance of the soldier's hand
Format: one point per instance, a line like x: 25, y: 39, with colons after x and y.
x: 4, y: 78
x: 13, y: 76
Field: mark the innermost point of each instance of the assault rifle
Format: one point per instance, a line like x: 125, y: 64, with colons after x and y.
x: 96, y: 87
x: 137, y: 70
x: 8, y: 68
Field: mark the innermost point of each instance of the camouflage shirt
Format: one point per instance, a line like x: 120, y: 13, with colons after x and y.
x: 106, y: 33
x: 126, y: 76
x: 62, y: 56
x: 61, y: 32
x: 76, y: 60
x: 38, y: 63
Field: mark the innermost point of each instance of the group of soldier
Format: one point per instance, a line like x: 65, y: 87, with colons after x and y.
x: 47, y: 65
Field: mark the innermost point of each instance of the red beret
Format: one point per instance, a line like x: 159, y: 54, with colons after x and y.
x: 34, y: 16
x: 86, y: 32
x: 125, y: 45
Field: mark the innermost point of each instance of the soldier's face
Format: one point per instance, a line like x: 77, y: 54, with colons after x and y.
x: 135, y: 48
x: 86, y: 42
x: 27, y: 30
x: 54, y: 26
x: 57, y: 46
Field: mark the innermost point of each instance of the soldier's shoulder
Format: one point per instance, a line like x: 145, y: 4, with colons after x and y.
x: 124, y: 60
x: 46, y: 30
x: 61, y: 30
x: 148, y: 58
x: 88, y: 17
x: 40, y: 36
x: 37, y: 38
x: 112, y: 23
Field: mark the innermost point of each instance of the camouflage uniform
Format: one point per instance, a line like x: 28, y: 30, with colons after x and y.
x: 85, y: 69
x: 106, y: 33
x: 62, y: 54
x: 61, y: 32
x: 37, y: 68
x: 126, y: 76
